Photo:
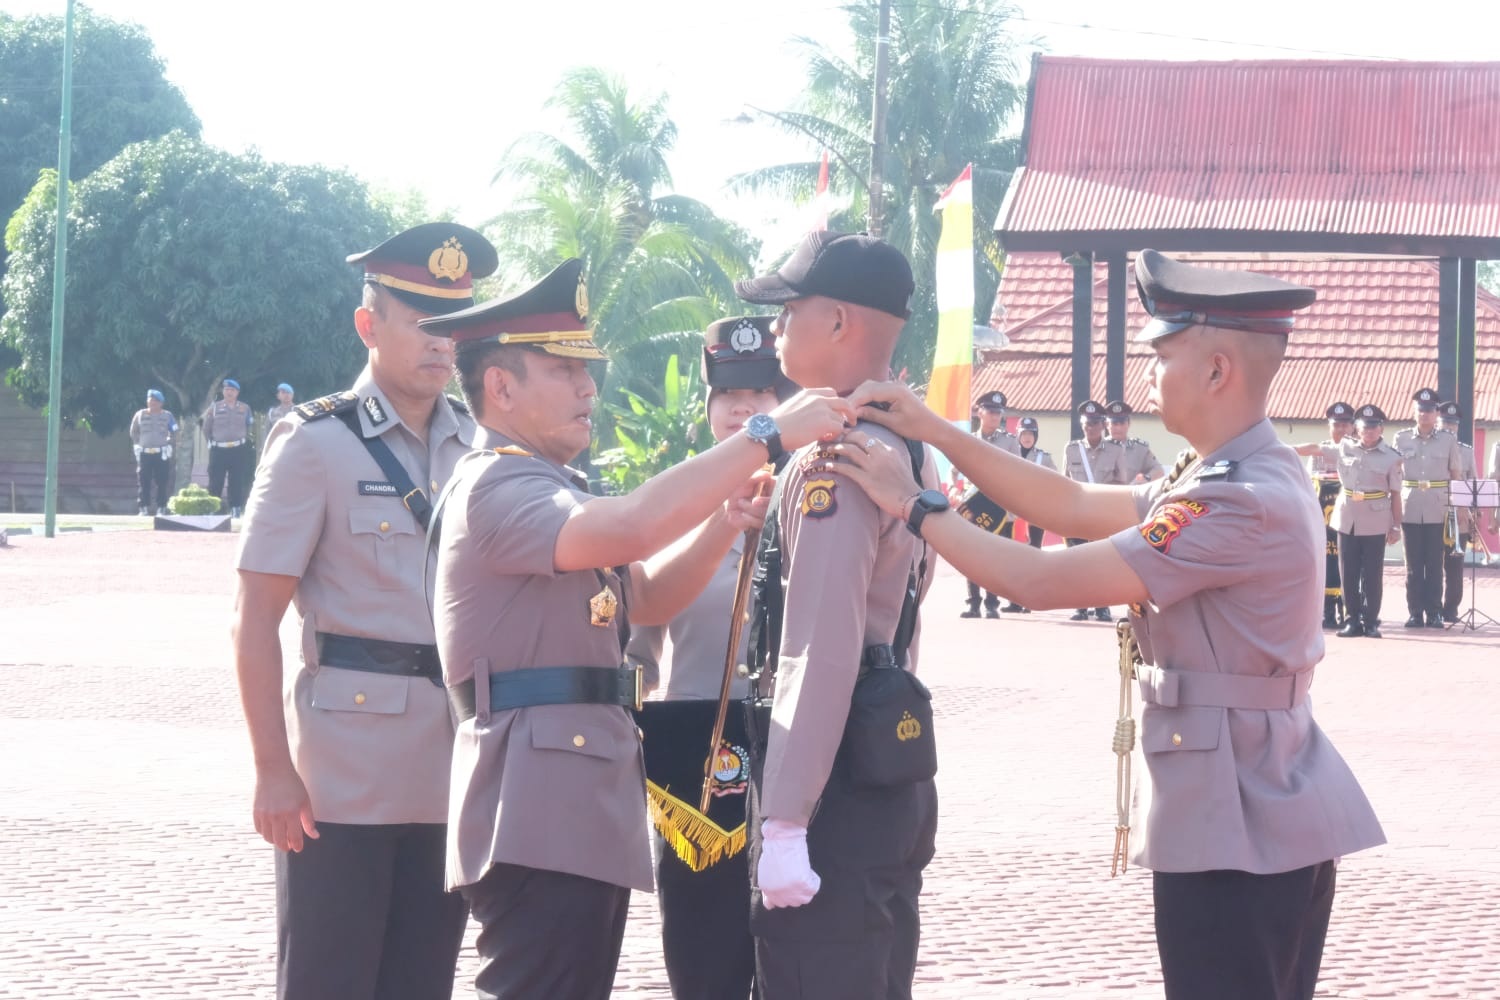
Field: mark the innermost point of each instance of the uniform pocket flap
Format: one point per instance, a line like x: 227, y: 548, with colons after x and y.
x: 1189, y: 728
x: 337, y: 690
x: 574, y: 737
x: 385, y: 521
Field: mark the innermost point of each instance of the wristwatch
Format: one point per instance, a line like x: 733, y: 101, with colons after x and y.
x: 926, y: 502
x: 762, y: 429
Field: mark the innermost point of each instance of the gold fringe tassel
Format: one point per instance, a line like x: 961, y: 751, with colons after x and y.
x: 693, y: 837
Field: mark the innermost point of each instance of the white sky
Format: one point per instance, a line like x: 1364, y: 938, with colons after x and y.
x: 428, y: 96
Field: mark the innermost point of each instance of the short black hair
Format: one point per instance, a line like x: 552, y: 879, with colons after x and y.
x: 476, y: 357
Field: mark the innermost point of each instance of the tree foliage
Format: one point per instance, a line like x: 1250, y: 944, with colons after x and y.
x: 120, y: 96
x: 653, y: 437
x: 187, y: 264
x: 660, y: 266
x: 952, y: 97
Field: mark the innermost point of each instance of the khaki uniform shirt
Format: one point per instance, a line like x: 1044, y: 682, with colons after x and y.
x: 1425, y: 460
x: 1137, y: 460
x: 1002, y: 439
x: 1234, y: 567
x: 1039, y: 456
x: 1105, y: 462
x: 225, y: 423
x: 555, y: 787
x: 1325, y: 464
x: 276, y: 412
x: 371, y: 748
x: 1364, y: 470
x: 693, y: 662
x: 845, y: 567
x: 152, y: 430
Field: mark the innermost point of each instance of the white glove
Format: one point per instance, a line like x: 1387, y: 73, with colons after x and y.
x: 166, y: 452
x: 784, y: 874
x: 137, y: 450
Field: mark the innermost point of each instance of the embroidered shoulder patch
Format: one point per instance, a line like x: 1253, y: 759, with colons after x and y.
x: 818, y: 499
x: 1169, y: 521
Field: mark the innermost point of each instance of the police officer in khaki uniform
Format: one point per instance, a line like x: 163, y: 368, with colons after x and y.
x: 535, y: 580
x: 352, y: 746
x: 152, y: 433
x: 1139, y: 464
x: 1459, y: 525
x: 1430, y: 458
x: 990, y: 411
x: 1247, y: 805
x: 1094, y: 458
x: 226, y: 426
x: 1325, y: 476
x: 837, y: 862
x: 1367, y: 517
x: 702, y: 879
x: 284, y: 404
x: 1027, y: 436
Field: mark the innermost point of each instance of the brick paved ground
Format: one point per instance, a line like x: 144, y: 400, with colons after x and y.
x: 131, y: 869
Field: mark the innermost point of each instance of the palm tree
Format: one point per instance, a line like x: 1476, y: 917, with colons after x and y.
x: 660, y: 266
x: 952, y: 95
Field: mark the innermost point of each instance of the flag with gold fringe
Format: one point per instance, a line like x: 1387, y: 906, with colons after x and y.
x: 674, y: 740
x: 948, y: 391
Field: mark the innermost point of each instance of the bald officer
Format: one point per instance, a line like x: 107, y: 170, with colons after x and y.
x: 1247, y: 805
x: 352, y: 746
x: 1095, y: 458
x: 1456, y: 542
x: 838, y: 839
x: 1429, y: 458
x: 536, y: 584
x: 153, y: 430
x: 226, y: 426
x: 1139, y: 463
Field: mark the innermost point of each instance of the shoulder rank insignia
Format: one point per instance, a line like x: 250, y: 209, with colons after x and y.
x: 324, y: 406
x: 818, y: 499
x: 512, y: 450
x: 375, y: 411
x: 1218, y: 470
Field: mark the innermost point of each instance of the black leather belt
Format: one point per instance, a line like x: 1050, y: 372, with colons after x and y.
x: 377, y: 656
x: 879, y: 657
x: 552, y: 686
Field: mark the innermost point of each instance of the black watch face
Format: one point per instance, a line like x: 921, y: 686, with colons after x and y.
x: 932, y: 500
x: 760, y: 426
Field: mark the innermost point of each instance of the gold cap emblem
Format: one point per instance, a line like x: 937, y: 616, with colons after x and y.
x: 581, y: 300
x: 449, y: 260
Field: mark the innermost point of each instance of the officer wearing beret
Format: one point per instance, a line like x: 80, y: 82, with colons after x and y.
x: 1459, y: 525
x: 226, y: 426
x: 535, y: 580
x: 1247, y: 804
x: 284, y: 403
x: 990, y: 410
x: 1095, y: 458
x: 702, y: 879
x: 352, y: 745
x: 1430, y: 458
x: 1027, y: 435
x: 1139, y: 463
x: 1325, y: 476
x: 152, y: 433
x: 838, y: 840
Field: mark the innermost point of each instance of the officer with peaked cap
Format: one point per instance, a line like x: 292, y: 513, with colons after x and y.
x: 1246, y: 804
x: 1138, y: 463
x: 839, y: 837
x: 1095, y: 458
x: 989, y: 409
x: 352, y: 776
x: 153, y: 430
x: 1429, y: 459
x: 1325, y: 476
x: 702, y: 878
x: 1027, y: 434
x: 1459, y: 525
x: 226, y: 426
x: 548, y: 829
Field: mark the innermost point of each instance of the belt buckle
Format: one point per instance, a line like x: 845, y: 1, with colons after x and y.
x: 1424, y: 484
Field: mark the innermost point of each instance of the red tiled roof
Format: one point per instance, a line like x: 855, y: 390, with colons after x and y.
x: 1351, y: 156
x: 1371, y: 336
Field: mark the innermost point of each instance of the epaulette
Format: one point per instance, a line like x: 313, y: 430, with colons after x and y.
x: 458, y: 404
x: 512, y: 450
x: 1219, y: 470
x: 1138, y: 441
x: 326, y: 406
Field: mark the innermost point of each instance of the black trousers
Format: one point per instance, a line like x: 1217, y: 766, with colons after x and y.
x: 858, y: 938
x: 546, y: 934
x: 361, y: 915
x: 1424, y: 569
x: 1361, y: 563
x: 1333, y: 586
x: 1453, y: 578
x: 1230, y: 935
x: 235, y: 464
x: 1079, y: 541
x: 991, y: 601
x: 154, y: 473
x: 705, y: 926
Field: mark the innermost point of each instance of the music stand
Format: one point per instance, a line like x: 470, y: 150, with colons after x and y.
x: 1474, y: 495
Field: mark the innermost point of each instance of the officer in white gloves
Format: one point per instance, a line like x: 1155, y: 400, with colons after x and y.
x: 152, y: 433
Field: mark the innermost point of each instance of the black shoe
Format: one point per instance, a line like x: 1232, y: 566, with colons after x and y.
x: 1450, y: 619
x: 991, y: 613
x: 970, y: 613
x: 1079, y: 616
x: 1434, y: 621
x: 1373, y: 632
x: 1351, y: 630
x: 1415, y: 621
x: 1103, y: 615
x: 1013, y: 608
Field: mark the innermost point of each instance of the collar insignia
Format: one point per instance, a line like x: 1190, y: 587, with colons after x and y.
x: 375, y: 411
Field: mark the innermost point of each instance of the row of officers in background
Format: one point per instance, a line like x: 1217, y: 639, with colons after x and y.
x: 1111, y: 457
x: 1377, y: 493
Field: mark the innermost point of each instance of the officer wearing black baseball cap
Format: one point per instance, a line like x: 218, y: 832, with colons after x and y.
x: 851, y: 267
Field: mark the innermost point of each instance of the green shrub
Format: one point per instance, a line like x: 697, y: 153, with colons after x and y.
x: 193, y: 499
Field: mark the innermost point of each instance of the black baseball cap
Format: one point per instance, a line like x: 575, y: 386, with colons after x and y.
x: 850, y: 267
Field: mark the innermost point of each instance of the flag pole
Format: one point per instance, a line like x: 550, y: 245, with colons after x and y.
x: 59, y: 283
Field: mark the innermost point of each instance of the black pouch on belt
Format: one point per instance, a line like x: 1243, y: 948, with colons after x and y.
x: 888, y: 739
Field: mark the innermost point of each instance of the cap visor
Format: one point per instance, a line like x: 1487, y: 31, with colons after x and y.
x: 767, y: 290
x: 1159, y: 328
x: 761, y: 373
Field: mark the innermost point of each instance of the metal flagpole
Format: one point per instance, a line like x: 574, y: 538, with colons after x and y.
x: 59, y: 280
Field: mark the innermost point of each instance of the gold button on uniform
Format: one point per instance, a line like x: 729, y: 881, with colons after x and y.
x: 1177, y: 739
x: 579, y: 741
x: 385, y: 526
x: 434, y: 486
x: 359, y: 699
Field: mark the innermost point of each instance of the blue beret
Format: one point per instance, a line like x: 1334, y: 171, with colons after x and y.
x: 230, y: 383
x: 155, y: 394
x: 283, y: 387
